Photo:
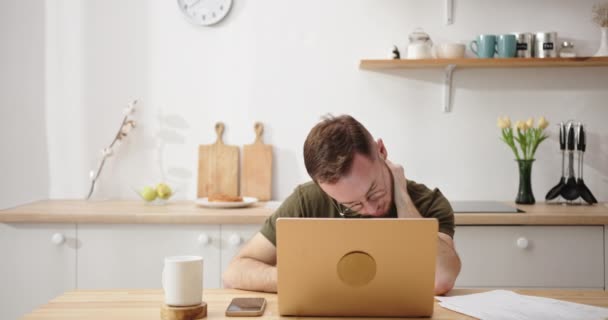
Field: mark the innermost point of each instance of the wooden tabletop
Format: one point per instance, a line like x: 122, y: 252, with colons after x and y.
x: 187, y: 212
x: 145, y: 304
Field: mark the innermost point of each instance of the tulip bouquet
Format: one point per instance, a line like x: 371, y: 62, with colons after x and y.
x: 525, y: 134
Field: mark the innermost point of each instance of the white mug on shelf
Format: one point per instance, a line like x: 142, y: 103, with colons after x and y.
x: 182, y: 280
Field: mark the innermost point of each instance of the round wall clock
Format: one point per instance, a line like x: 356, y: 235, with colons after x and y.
x: 205, y: 12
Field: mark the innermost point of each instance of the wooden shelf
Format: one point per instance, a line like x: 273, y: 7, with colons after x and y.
x: 449, y: 65
x: 379, y: 64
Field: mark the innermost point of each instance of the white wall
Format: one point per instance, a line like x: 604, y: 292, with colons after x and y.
x: 286, y: 63
x: 24, y: 174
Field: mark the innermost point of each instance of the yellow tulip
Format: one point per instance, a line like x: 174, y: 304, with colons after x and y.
x: 530, y: 123
x: 507, y: 122
x: 501, y: 123
x: 520, y: 125
x: 543, y: 123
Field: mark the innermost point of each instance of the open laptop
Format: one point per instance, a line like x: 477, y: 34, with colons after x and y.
x: 356, y: 267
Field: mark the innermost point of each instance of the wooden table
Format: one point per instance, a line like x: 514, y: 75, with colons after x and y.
x: 145, y: 304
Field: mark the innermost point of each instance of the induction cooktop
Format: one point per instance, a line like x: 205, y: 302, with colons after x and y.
x: 483, y: 207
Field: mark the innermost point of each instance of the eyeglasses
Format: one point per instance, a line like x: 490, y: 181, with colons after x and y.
x: 354, y: 209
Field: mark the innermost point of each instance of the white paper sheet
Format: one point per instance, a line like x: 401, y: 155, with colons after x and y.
x: 508, y: 305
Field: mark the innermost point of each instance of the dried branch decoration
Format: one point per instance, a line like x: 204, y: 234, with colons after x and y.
x: 600, y: 14
x: 126, y: 126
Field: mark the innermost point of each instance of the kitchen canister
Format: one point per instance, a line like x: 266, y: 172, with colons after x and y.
x: 545, y: 45
x: 525, y: 44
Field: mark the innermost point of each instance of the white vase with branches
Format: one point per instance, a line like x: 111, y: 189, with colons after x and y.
x: 125, y: 127
x: 600, y: 17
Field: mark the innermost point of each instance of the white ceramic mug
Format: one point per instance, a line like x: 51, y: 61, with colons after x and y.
x: 450, y: 50
x: 182, y: 280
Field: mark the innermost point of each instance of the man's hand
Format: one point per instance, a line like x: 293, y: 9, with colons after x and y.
x: 403, y: 201
x: 448, y: 262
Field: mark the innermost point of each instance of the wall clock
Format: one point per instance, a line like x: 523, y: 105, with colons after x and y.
x: 205, y: 12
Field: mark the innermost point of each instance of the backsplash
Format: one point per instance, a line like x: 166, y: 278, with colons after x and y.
x: 286, y: 64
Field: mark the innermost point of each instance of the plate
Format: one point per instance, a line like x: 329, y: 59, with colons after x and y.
x: 204, y: 202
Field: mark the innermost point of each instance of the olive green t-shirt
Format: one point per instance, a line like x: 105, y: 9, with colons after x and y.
x: 309, y: 201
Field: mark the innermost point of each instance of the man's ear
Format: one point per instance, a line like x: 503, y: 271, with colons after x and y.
x: 382, y: 149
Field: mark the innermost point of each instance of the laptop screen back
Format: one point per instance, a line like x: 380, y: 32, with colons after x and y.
x: 356, y: 267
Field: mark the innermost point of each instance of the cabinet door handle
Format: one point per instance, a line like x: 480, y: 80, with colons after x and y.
x: 235, y: 240
x: 204, y: 239
x: 57, y: 239
x: 522, y: 243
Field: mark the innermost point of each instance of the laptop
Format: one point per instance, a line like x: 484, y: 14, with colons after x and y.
x: 356, y: 267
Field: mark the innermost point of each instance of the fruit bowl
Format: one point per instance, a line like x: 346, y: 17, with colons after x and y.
x: 155, y: 194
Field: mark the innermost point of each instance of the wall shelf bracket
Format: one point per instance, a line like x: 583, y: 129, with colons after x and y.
x: 449, y: 12
x: 447, y: 88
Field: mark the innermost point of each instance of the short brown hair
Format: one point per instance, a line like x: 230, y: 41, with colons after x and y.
x: 331, y: 145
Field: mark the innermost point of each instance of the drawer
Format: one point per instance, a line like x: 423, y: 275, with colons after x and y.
x: 531, y: 256
x: 132, y: 255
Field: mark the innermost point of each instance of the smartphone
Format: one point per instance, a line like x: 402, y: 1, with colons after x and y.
x: 246, y: 307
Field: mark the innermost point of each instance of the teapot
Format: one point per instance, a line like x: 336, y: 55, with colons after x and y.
x: 420, y: 46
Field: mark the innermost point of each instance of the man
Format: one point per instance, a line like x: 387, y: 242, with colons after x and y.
x: 352, y: 178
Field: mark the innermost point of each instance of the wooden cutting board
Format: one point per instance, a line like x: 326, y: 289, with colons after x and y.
x: 218, y: 167
x: 256, y: 180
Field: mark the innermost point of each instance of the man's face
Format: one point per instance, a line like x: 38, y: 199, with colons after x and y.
x: 367, y: 188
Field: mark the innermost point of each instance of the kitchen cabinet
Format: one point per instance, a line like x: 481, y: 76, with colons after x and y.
x: 131, y: 256
x: 531, y: 256
x: 38, y: 264
x: 122, y: 243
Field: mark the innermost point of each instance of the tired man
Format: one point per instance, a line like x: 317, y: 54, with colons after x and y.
x: 351, y: 178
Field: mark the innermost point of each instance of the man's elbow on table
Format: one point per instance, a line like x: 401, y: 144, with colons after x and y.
x: 229, y: 277
x: 443, y: 285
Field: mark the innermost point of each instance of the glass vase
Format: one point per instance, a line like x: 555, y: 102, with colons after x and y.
x: 524, y: 194
x: 603, y: 50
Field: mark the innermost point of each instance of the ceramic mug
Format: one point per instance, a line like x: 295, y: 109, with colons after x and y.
x: 485, y: 46
x: 182, y: 280
x: 450, y: 50
x: 506, y: 46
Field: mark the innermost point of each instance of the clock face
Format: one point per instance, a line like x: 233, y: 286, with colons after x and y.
x: 205, y: 12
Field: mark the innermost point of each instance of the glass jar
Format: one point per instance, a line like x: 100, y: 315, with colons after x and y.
x: 420, y: 46
x: 567, y: 50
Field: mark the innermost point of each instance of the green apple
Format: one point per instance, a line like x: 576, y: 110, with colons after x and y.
x: 148, y: 193
x: 164, y: 191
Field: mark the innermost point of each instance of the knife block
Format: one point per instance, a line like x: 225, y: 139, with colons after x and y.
x: 183, y: 313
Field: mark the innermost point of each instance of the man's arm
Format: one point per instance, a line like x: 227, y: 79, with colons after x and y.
x: 254, y: 267
x: 448, y: 263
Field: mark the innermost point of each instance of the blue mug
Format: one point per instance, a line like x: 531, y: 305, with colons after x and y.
x: 506, y: 46
x: 485, y: 46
